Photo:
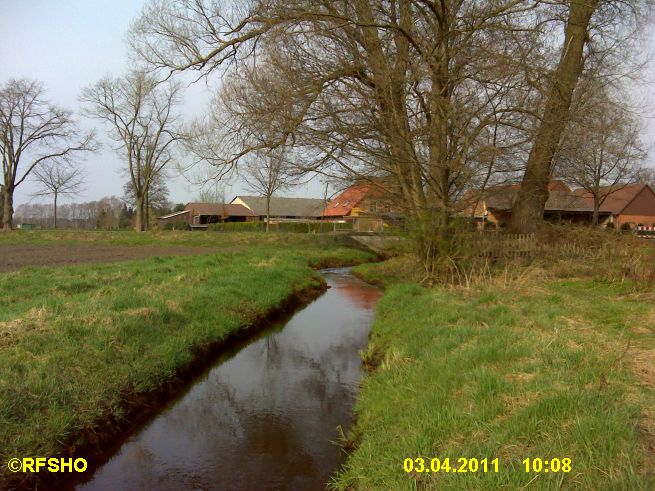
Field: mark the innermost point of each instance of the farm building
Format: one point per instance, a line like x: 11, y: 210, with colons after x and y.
x: 494, y: 205
x: 199, y: 215
x: 368, y: 203
x: 633, y: 204
x: 282, y: 208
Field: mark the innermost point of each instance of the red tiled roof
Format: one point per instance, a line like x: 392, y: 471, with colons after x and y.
x: 473, y: 196
x: 616, y: 200
x: 219, y: 209
x: 343, y: 204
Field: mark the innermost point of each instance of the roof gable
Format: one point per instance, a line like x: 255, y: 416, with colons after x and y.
x: 284, y: 207
x: 344, y: 203
x: 558, y: 200
x: 643, y: 203
x: 219, y: 209
x: 617, y: 198
x: 174, y: 214
x: 351, y: 197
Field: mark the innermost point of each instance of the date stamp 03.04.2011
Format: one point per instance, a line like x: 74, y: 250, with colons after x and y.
x: 472, y: 465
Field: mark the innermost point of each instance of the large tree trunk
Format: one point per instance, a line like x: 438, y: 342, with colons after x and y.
x: 8, y: 208
x: 528, y: 209
x: 55, y: 211
x: 139, y: 213
x: 594, y: 218
x: 146, y: 211
x: 268, y: 211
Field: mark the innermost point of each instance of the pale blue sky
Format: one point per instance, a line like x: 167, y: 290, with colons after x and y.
x: 68, y: 44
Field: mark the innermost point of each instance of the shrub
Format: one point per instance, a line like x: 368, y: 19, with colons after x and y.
x: 287, y: 227
x: 626, y: 227
x: 306, y: 227
x: 238, y: 227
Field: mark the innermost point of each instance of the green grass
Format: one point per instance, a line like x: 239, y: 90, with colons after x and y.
x: 403, y: 268
x: 160, y: 238
x: 565, y: 370
x: 75, y: 340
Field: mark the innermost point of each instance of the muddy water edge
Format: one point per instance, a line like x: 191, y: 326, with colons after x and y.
x: 266, y: 414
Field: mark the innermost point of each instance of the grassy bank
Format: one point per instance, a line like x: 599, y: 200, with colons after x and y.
x: 75, y: 342
x: 532, y: 367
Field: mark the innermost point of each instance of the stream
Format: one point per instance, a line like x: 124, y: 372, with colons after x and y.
x: 264, y: 416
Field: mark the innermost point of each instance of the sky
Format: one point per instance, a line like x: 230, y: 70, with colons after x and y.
x: 69, y: 44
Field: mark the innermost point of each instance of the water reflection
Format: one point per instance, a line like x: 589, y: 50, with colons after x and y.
x: 263, y: 419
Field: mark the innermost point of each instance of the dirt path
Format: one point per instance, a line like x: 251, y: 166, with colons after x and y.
x: 14, y: 257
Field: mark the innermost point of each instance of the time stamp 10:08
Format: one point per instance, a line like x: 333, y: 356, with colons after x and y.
x: 463, y: 465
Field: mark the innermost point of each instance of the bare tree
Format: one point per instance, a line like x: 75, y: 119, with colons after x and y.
x: 211, y: 191
x: 367, y: 88
x: 646, y: 175
x: 601, y: 151
x: 56, y: 180
x: 156, y: 199
x: 594, y: 29
x: 33, y: 132
x: 432, y: 96
x: 2, y: 203
x: 268, y: 172
x: 107, y: 213
x: 140, y: 114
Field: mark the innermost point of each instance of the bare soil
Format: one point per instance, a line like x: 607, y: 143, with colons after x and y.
x: 13, y: 257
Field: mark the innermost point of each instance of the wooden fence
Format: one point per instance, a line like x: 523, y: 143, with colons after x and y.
x: 507, y: 245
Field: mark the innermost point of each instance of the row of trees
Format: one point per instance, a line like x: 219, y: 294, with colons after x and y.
x: 140, y: 115
x: 42, y: 141
x: 37, y: 137
x: 108, y: 213
x: 438, y: 95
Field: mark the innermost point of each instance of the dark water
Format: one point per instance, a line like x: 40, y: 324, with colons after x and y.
x: 265, y: 417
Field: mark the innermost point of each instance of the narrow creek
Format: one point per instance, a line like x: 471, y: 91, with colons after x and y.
x: 264, y: 417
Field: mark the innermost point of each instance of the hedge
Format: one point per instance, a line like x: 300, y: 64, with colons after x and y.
x: 293, y: 227
x: 238, y: 227
x: 177, y: 226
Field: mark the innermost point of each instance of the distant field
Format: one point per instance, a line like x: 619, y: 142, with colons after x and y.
x: 59, y: 248
x: 17, y: 256
x: 130, y: 238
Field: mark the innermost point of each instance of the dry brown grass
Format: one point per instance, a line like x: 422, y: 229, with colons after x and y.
x: 13, y: 330
x: 559, y: 252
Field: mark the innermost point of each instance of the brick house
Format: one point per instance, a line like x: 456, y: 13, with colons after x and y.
x: 633, y: 204
x: 199, y: 215
x: 494, y: 205
x: 369, y: 203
